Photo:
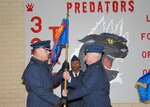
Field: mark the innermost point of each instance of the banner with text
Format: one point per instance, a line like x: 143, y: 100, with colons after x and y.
x: 121, y: 26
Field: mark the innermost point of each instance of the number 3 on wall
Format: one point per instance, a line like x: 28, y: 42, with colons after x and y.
x: 38, y: 24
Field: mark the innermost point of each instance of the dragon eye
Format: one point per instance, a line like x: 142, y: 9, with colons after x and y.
x: 110, y: 41
x: 124, y: 43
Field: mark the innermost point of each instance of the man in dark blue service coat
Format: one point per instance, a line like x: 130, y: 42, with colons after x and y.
x: 95, y: 86
x: 38, y: 79
x: 77, y: 74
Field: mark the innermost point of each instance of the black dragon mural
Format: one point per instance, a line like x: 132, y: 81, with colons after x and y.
x: 115, y: 47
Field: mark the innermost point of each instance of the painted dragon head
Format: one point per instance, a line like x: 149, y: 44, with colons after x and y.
x: 115, y: 47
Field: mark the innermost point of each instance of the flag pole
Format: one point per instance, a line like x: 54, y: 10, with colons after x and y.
x: 66, y: 58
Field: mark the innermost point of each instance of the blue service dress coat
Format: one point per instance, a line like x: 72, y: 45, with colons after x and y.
x: 143, y: 88
x: 94, y: 87
x: 76, y: 102
x: 39, y: 84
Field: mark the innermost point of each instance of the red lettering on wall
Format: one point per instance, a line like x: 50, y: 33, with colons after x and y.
x: 77, y: 7
x: 100, y: 8
x: 123, y: 6
x: 35, y: 40
x: 131, y: 4
x: 92, y: 7
x: 38, y: 25
x: 145, y: 36
x: 145, y: 54
x: 115, y: 6
x: 147, y: 19
x: 84, y: 5
x: 54, y: 29
x: 145, y: 71
x: 69, y: 6
x: 107, y: 6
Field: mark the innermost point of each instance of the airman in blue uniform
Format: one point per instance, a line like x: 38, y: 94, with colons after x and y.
x: 38, y: 79
x: 77, y: 74
x: 94, y: 87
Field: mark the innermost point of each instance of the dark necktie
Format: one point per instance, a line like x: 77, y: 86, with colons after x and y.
x: 76, y: 75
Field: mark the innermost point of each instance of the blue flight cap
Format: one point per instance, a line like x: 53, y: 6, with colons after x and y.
x: 41, y: 44
x: 75, y: 58
x: 93, y: 48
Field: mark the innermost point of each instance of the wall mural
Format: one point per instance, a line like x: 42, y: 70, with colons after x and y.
x: 121, y: 26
